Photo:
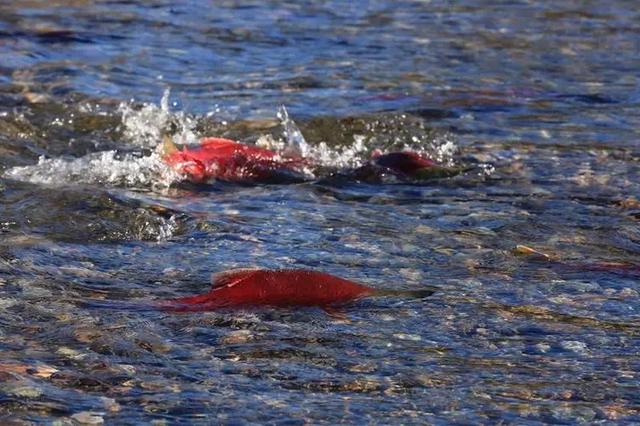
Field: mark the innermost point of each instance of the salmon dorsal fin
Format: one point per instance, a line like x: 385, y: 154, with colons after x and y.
x: 217, y: 143
x: 231, y: 277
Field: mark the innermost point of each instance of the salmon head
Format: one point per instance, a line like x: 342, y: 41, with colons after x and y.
x: 280, y: 288
x: 407, y: 162
x: 411, y: 164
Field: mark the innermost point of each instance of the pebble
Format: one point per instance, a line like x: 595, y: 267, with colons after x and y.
x: 27, y: 391
x: 574, y: 346
x: 88, y: 418
x: 406, y: 336
x: 6, y: 303
x: 82, y: 272
x: 362, y: 384
x: 366, y: 367
x: 410, y: 274
x: 70, y: 353
x: 237, y: 337
x: 628, y: 293
x: 542, y: 348
x: 110, y: 404
x: 86, y: 335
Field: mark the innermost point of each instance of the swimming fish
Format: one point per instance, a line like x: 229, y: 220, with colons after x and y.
x: 411, y: 164
x: 217, y: 158
x: 278, y: 288
x: 624, y: 269
x: 283, y: 288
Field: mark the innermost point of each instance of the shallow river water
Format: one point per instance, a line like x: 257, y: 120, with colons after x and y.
x: 532, y: 251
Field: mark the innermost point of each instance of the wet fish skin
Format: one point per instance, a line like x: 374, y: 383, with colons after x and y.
x: 217, y: 158
x: 406, y: 162
x: 413, y: 165
x: 278, y: 288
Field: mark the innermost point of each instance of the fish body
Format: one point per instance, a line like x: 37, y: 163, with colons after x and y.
x: 624, y: 269
x: 224, y: 159
x: 217, y: 158
x: 279, y: 288
x: 413, y: 165
x: 406, y: 162
x: 404, y: 165
x: 616, y: 268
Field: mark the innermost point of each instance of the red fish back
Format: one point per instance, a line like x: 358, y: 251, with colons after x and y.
x: 289, y: 287
x: 404, y: 162
x: 230, y: 160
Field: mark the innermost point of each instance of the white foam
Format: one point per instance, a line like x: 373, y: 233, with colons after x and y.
x: 296, y: 144
x: 145, y: 126
x: 444, y: 149
x: 341, y: 156
x: 320, y: 154
x: 106, y: 167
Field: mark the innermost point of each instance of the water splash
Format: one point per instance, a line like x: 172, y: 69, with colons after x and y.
x: 394, y: 132
x: 296, y: 145
x: 442, y: 149
x: 155, y: 228
x: 320, y: 154
x: 145, y: 126
x: 348, y: 156
x: 106, y: 167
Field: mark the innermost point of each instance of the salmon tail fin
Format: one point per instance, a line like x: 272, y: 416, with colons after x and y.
x: 422, y: 293
x: 231, y: 277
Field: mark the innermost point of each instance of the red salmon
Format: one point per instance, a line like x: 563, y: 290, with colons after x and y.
x: 229, y: 160
x: 224, y: 159
x: 409, y: 165
x: 262, y: 287
x: 405, y: 162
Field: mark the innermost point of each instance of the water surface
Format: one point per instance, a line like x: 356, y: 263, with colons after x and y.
x: 540, y: 98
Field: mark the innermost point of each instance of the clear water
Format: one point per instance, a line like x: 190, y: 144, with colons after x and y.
x: 542, y: 97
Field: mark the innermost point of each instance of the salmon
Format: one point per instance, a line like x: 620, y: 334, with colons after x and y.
x: 277, y: 288
x: 224, y: 159
x: 217, y: 158
x: 406, y: 162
